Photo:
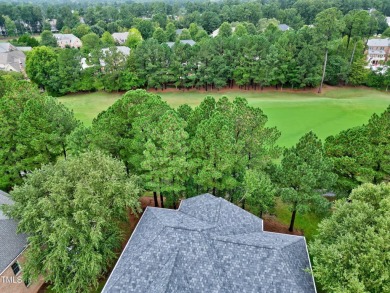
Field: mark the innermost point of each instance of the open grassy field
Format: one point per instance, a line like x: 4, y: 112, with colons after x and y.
x: 292, y: 113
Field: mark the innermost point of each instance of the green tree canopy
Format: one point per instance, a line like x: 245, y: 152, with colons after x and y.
x: 303, y: 174
x: 47, y: 39
x: 107, y: 40
x: 134, y: 38
x: 42, y: 68
x: 90, y: 41
x: 351, y: 250
x: 72, y: 212
x: 12, y: 105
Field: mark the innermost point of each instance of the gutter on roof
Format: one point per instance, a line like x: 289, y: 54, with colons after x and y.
x: 14, y: 260
x: 312, y: 275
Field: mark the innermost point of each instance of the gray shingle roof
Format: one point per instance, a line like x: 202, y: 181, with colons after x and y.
x: 283, y: 27
x: 378, y: 42
x: 209, y: 245
x: 188, y: 42
x: 11, y: 243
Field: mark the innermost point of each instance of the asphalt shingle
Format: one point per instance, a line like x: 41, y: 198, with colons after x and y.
x: 11, y: 243
x: 209, y: 245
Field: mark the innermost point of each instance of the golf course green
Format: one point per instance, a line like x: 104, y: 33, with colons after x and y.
x: 293, y: 113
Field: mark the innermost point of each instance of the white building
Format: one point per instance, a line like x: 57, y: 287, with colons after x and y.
x: 67, y: 40
x: 378, y: 51
x: 120, y: 38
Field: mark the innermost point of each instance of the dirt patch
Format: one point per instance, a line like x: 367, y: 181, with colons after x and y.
x: 272, y: 225
x: 234, y: 88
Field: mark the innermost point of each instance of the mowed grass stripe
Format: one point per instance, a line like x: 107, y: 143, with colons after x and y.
x: 292, y: 113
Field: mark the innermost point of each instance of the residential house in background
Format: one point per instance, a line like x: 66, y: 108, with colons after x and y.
x: 378, y: 51
x: 125, y: 51
x: 53, y: 25
x: 67, y: 40
x: 12, y: 246
x: 188, y: 42
x: 120, y: 38
x: 209, y: 245
x: 216, y: 32
x: 11, y: 58
x: 283, y: 27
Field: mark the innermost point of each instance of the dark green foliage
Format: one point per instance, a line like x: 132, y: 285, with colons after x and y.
x: 33, y: 131
x: 25, y: 41
x: 42, y: 66
x: 361, y: 154
x: 304, y: 173
x: 47, y: 39
x: 122, y: 129
x: 351, y: 251
x: 71, y: 212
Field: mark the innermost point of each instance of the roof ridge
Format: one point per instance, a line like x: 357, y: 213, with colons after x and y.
x: 211, y: 247
x: 243, y: 244
x: 181, y: 212
x: 170, y: 275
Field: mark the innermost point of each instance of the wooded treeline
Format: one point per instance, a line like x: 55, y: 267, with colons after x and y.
x: 331, y: 51
x: 18, y: 18
x: 291, y: 59
x: 222, y: 147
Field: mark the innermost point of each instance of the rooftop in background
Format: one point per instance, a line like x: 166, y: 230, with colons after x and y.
x: 65, y: 36
x: 284, y: 27
x: 11, y: 58
x: 209, y: 245
x: 11, y: 243
x: 188, y: 42
x: 378, y: 42
x: 120, y: 37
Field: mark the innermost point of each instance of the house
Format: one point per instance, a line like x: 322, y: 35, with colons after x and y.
x: 179, y: 31
x: 53, y: 25
x: 209, y: 245
x: 388, y: 20
x: 216, y: 32
x: 67, y: 40
x: 378, y: 51
x: 12, y: 246
x: 122, y: 49
x: 188, y: 42
x: 120, y: 38
x: 11, y: 58
x: 283, y: 27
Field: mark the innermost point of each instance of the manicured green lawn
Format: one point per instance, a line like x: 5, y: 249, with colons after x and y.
x: 292, y: 113
x: 307, y: 222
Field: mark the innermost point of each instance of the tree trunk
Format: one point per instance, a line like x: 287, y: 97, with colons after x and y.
x: 214, y: 190
x: 64, y: 151
x: 324, y: 70
x: 155, y: 199
x: 261, y: 214
x: 161, y: 200
x: 353, y: 53
x: 292, y: 221
x: 243, y: 204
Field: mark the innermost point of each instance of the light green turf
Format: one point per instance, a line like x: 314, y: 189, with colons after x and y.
x: 307, y: 222
x: 293, y: 113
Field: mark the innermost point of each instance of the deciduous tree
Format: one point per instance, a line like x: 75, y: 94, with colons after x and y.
x: 71, y: 212
x: 351, y: 250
